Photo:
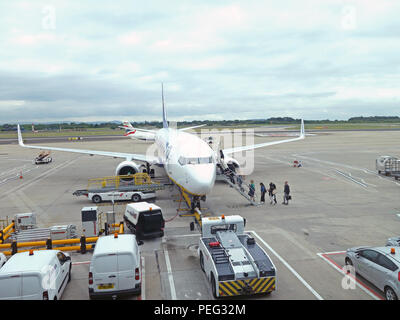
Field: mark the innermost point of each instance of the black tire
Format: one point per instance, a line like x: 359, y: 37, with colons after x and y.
x: 69, y: 273
x: 390, y: 294
x: 213, y: 288
x: 348, y: 261
x: 201, y: 261
x: 96, y: 199
x: 136, y: 197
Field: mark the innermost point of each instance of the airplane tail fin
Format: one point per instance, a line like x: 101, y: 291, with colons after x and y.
x: 302, y: 131
x: 127, y: 126
x: 20, y: 141
x: 165, y: 123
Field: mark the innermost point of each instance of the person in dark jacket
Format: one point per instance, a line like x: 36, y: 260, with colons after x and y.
x: 263, y: 192
x: 252, y: 190
x: 286, y: 193
x: 272, y: 193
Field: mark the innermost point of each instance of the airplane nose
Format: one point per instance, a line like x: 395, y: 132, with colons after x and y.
x: 203, y: 179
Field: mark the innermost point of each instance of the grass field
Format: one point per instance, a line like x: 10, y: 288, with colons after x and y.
x: 109, y: 131
x: 40, y: 134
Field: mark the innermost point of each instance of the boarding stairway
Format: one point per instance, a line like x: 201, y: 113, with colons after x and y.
x: 229, y: 176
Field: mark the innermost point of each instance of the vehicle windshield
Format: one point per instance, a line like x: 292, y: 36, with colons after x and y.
x: 184, y: 161
x: 223, y: 227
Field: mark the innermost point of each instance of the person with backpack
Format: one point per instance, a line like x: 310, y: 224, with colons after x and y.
x: 272, y: 193
x: 286, y: 194
x: 252, y: 190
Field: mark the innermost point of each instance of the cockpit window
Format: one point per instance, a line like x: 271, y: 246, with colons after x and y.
x: 183, y: 161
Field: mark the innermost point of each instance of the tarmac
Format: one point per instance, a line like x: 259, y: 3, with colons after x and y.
x: 339, y: 201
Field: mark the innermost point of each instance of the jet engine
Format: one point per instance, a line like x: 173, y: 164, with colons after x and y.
x: 128, y: 167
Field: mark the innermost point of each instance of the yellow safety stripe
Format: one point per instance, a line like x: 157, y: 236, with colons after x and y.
x: 236, y: 285
x: 224, y: 290
x: 231, y: 288
x: 258, y: 285
x: 265, y: 286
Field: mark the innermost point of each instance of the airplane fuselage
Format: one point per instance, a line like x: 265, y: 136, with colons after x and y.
x: 187, y: 159
x: 140, y: 135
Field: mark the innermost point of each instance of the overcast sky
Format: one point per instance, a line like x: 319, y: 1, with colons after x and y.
x: 105, y: 60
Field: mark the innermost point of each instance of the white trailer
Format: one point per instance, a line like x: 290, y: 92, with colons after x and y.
x: 388, y: 165
x: 116, y: 195
x: 232, y: 261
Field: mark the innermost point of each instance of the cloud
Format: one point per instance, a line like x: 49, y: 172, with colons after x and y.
x: 218, y: 60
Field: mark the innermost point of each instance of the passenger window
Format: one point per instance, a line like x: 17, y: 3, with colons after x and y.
x: 370, y: 255
x: 386, y: 263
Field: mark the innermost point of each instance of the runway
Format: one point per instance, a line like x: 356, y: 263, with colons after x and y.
x: 339, y: 201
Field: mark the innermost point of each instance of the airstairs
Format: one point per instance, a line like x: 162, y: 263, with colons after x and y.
x: 232, y: 178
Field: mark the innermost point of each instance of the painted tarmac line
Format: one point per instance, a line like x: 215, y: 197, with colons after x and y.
x: 348, y: 176
x: 169, y: 270
x: 40, y: 177
x: 338, y: 268
x: 288, y: 266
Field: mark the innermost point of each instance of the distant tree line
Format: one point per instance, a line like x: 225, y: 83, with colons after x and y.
x: 83, y: 126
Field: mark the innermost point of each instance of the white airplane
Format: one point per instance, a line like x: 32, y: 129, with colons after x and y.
x: 144, y: 134
x: 188, y: 160
x: 138, y: 134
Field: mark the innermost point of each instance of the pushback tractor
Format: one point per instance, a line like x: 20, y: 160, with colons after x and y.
x: 233, y: 262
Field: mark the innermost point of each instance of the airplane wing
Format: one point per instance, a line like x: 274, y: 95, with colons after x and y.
x: 127, y: 156
x: 189, y: 128
x: 266, y: 144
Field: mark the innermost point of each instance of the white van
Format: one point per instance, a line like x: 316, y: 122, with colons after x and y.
x: 35, y: 275
x: 145, y: 220
x: 115, y: 266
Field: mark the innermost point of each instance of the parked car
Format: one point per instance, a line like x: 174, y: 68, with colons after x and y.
x: 115, y: 266
x: 35, y: 275
x: 380, y: 266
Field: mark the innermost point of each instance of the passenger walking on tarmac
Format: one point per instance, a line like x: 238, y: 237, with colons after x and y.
x: 286, y: 194
x: 263, y: 192
x: 272, y: 193
x: 252, y: 190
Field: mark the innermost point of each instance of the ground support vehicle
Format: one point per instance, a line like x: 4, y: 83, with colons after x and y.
x: 233, y: 262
